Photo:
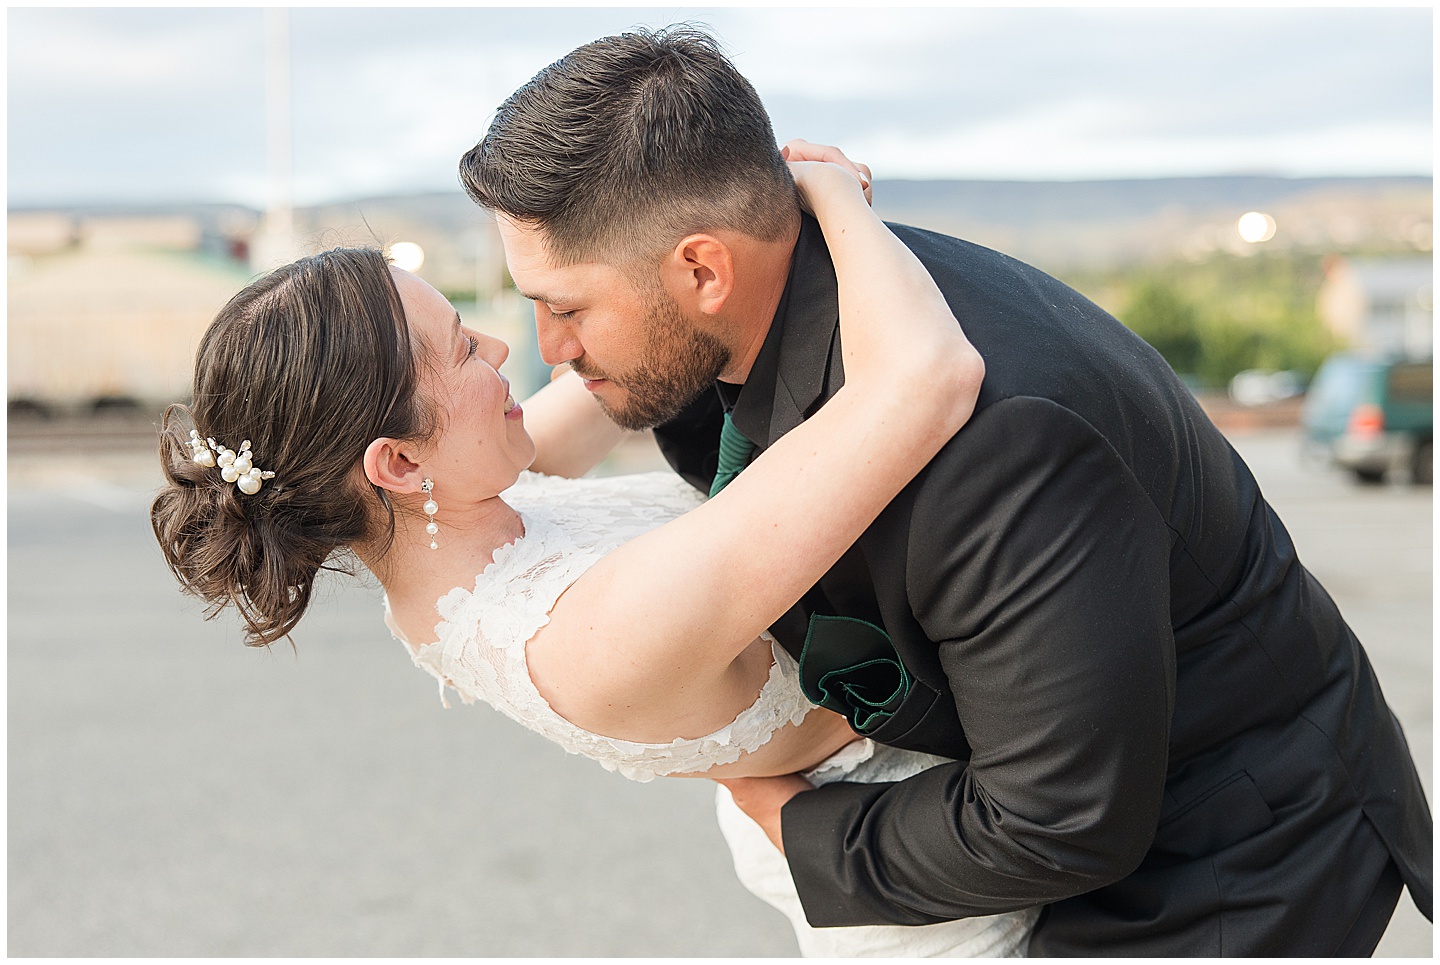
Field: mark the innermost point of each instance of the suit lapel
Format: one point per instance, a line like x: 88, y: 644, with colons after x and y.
x: 798, y: 366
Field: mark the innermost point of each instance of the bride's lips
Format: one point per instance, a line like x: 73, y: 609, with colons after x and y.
x: 512, y: 408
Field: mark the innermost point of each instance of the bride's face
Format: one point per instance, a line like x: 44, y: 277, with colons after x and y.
x: 481, y: 446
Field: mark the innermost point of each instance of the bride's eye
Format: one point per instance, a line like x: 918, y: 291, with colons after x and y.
x: 474, y: 344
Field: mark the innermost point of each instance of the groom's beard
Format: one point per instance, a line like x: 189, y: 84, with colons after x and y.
x: 679, y: 362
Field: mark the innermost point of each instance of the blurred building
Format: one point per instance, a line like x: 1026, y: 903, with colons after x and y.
x: 1382, y: 306
x: 108, y: 309
x: 461, y: 244
x: 39, y: 233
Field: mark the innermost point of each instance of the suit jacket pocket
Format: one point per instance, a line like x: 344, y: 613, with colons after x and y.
x: 1227, y: 814
x: 851, y: 667
x: 918, y: 723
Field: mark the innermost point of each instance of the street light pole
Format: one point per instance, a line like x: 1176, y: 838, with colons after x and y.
x: 275, y: 243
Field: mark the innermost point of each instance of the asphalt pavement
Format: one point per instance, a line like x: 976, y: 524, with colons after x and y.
x: 174, y: 793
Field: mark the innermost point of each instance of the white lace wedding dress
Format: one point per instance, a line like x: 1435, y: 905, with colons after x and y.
x: 479, y: 652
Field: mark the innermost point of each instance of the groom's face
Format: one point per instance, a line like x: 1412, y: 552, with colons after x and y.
x: 639, y: 354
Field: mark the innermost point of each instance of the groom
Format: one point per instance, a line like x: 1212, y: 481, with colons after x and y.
x: 1162, y: 729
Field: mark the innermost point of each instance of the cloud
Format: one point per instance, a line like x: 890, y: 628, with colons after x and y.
x: 123, y: 53
x: 1064, y: 151
x: 168, y: 102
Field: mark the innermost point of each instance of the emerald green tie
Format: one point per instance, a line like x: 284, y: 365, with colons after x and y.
x: 735, y: 452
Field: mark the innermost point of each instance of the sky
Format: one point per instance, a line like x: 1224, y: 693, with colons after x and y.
x: 168, y: 104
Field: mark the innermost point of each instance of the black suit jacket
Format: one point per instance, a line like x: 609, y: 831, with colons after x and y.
x: 1163, y: 729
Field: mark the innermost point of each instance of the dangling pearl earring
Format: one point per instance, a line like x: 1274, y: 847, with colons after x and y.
x: 431, y: 507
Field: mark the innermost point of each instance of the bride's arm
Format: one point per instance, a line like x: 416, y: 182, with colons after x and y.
x: 571, y: 432
x: 657, y: 633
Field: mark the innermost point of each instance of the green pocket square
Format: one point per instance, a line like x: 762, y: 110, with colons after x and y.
x: 851, y: 667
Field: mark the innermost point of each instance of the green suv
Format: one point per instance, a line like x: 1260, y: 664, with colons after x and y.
x: 1373, y: 416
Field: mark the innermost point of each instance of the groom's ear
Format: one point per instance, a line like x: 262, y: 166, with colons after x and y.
x: 700, y: 273
x: 388, y: 465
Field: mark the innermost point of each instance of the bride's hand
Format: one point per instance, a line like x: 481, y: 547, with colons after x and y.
x: 823, y: 186
x: 802, y: 150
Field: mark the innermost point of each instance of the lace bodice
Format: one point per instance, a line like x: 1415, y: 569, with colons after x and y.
x: 479, y: 650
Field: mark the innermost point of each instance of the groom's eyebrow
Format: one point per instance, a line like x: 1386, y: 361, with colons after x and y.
x: 551, y: 298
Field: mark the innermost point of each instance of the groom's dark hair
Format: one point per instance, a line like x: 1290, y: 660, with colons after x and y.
x: 625, y: 145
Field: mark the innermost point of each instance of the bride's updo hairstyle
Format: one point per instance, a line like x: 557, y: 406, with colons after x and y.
x: 310, y: 363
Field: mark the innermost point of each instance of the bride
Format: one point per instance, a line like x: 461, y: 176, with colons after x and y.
x: 342, y: 406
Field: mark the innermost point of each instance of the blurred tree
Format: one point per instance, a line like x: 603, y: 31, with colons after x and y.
x: 1161, y: 316
x: 1230, y: 346
x: 1217, y: 317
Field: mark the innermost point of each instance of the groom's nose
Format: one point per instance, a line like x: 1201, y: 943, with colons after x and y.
x: 557, y: 339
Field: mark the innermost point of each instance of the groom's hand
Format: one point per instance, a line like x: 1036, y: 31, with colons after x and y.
x: 761, y: 798
x: 802, y: 150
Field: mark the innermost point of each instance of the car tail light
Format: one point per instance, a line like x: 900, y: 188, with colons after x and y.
x: 1367, y: 420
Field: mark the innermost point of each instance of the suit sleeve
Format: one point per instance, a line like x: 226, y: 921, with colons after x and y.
x: 1039, y: 568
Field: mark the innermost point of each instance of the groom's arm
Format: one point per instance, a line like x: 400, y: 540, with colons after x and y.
x: 1040, y: 569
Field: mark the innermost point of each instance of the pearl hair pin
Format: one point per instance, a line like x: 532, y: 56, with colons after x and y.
x: 431, y: 507
x: 236, y: 467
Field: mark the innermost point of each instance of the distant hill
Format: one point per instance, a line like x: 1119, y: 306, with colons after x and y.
x: 1091, y: 224
x: 1039, y: 202
x: 1057, y: 225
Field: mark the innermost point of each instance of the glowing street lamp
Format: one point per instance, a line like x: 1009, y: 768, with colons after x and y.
x: 1255, y: 227
x: 407, y: 255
